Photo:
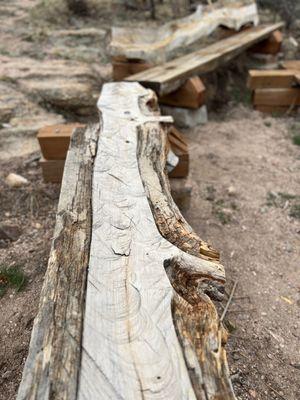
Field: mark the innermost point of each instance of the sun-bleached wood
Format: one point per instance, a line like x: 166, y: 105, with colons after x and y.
x: 51, y: 369
x: 167, y: 77
x: 150, y: 329
x: 143, y: 324
x: 156, y: 45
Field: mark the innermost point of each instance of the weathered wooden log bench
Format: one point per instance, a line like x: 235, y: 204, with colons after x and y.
x: 126, y: 308
x: 167, y: 77
x: 158, y: 45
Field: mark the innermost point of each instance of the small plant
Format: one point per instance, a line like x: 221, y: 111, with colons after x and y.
x: 223, y: 217
x: 11, y: 277
x: 296, y: 139
x: 294, y: 131
x: 222, y: 213
x: 271, y: 199
x: 240, y: 96
x: 211, y: 193
x: 287, y: 196
x: 295, y: 211
x: 279, y: 199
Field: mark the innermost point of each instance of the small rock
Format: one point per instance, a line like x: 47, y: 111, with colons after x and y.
x: 15, y: 180
x: 236, y: 356
x: 252, y: 393
x: 289, y: 248
x: 6, y: 375
x: 290, y: 48
x: 231, y: 191
x: 9, y: 232
x: 186, y: 118
x: 227, y: 211
x: 295, y: 365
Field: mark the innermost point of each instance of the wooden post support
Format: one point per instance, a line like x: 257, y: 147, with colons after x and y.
x: 277, y: 97
x: 271, y: 45
x: 190, y: 95
x: 272, y: 79
x: 52, y: 170
x: 275, y: 109
x: 54, y: 140
x: 150, y: 328
x: 123, y: 67
x: 180, y: 148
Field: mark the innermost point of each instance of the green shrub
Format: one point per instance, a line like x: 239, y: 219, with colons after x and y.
x: 11, y: 277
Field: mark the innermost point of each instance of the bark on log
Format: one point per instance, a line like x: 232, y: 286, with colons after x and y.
x: 157, y: 45
x: 51, y: 370
x: 150, y: 328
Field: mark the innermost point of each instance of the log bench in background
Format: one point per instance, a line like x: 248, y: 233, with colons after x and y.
x: 156, y: 45
x: 126, y: 308
x: 167, y: 77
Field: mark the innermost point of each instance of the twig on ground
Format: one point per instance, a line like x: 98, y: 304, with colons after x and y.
x: 229, y: 301
x: 32, y: 159
x: 242, y: 310
x: 275, y: 391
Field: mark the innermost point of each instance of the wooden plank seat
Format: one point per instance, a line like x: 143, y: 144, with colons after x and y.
x: 167, y: 77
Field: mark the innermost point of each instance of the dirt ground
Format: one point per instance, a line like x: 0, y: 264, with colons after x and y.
x: 245, y: 173
x: 31, y: 210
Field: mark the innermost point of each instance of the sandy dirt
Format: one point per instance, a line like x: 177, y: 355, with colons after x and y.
x: 245, y: 174
x: 32, y: 210
x: 246, y: 188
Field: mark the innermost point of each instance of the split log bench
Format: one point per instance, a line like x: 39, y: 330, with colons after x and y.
x: 126, y: 308
x: 156, y: 45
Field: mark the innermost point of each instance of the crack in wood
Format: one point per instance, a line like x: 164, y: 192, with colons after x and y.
x: 150, y: 346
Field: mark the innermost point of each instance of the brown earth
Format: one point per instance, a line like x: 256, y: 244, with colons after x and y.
x: 32, y: 209
x: 245, y: 176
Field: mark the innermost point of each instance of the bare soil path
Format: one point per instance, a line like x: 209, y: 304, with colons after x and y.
x: 246, y: 181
